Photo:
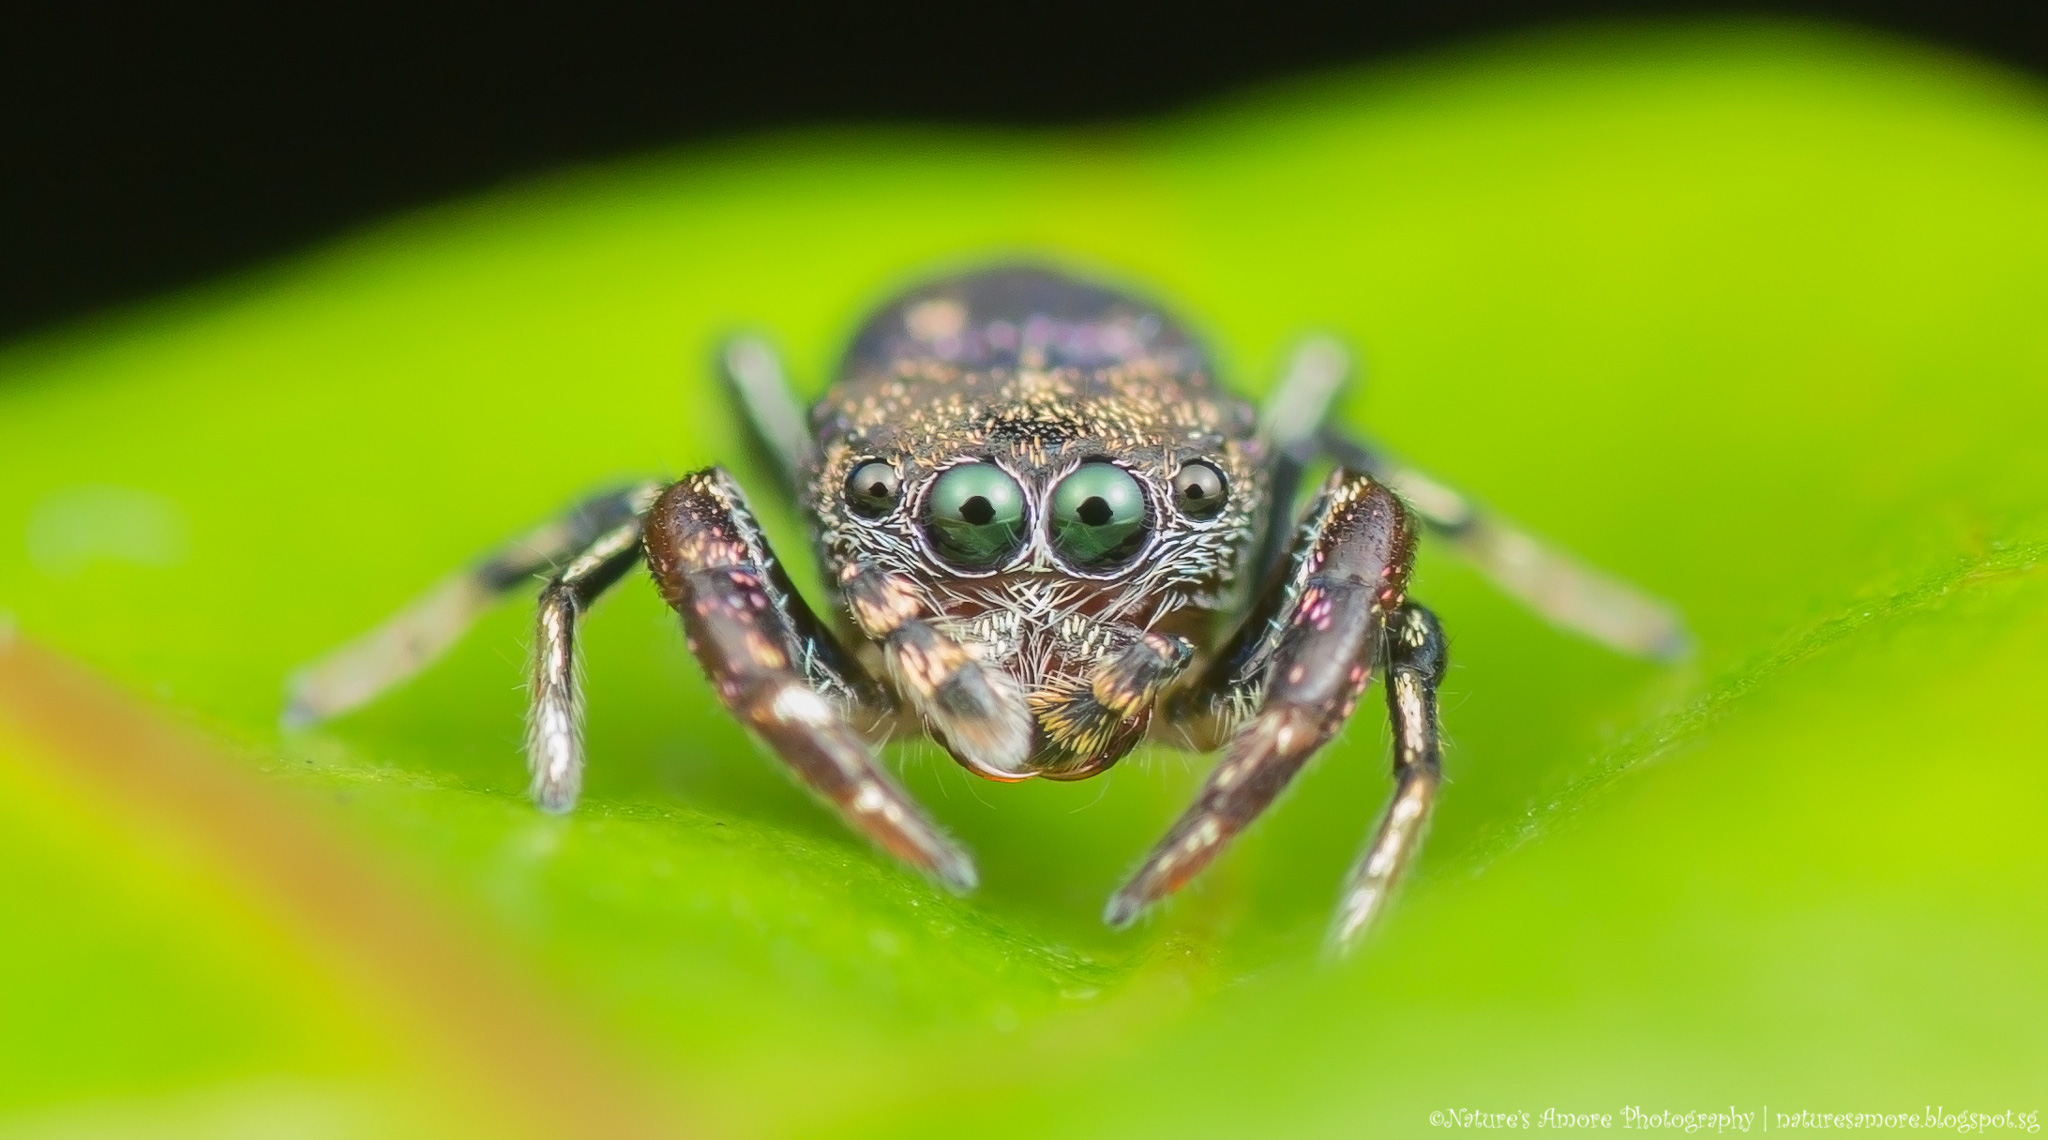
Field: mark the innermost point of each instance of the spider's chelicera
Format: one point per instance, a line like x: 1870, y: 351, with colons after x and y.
x: 1049, y: 533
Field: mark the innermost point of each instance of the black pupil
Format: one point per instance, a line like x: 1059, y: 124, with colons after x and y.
x: 978, y: 510
x: 1097, y: 511
x: 878, y: 489
x: 1193, y: 490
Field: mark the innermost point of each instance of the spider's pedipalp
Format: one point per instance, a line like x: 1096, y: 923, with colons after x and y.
x: 978, y: 712
x: 1091, y: 718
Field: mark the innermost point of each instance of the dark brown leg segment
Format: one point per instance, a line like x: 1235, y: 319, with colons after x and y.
x: 1302, y: 658
x: 779, y: 669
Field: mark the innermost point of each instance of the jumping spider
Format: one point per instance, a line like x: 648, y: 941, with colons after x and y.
x: 1033, y: 501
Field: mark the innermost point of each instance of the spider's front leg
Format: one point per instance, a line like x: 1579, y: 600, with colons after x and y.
x: 780, y: 670
x: 1289, y: 678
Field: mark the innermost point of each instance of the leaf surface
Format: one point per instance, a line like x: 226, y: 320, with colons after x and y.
x: 1750, y: 314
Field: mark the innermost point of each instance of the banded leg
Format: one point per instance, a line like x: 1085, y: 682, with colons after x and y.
x: 356, y: 673
x: 1415, y: 661
x: 1564, y: 590
x: 1307, y: 651
x: 779, y: 669
x: 554, y: 711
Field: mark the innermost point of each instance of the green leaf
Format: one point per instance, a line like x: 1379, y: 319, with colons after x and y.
x: 1750, y: 314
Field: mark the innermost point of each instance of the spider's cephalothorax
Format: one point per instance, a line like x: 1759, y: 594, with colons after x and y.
x: 1037, y: 510
x: 1045, y: 475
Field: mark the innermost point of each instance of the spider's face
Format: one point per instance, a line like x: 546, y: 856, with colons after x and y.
x: 1046, y: 545
x: 1042, y: 475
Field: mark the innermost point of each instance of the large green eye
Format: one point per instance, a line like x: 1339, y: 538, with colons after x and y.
x: 975, y: 515
x: 1098, y: 515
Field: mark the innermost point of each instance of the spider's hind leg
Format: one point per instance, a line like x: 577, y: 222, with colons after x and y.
x: 1292, y: 423
x: 356, y: 673
x: 1297, y: 424
x: 1558, y: 586
x: 779, y: 429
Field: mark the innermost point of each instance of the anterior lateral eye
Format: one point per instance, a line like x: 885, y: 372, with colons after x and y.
x: 975, y: 515
x: 1098, y: 515
x: 872, y: 489
x: 1199, y: 490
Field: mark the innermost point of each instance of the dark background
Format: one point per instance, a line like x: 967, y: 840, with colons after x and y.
x: 148, y: 150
